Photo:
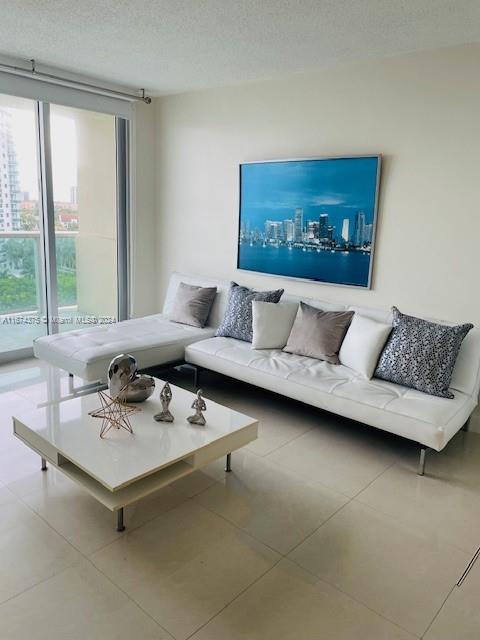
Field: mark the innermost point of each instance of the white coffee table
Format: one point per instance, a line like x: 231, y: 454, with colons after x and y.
x: 122, y: 468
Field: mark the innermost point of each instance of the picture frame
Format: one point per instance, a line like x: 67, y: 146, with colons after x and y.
x: 311, y: 219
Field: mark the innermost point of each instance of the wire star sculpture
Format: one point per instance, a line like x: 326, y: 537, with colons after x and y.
x: 114, y: 412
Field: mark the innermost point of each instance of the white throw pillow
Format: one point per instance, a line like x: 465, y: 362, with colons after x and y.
x: 363, y: 344
x: 272, y: 323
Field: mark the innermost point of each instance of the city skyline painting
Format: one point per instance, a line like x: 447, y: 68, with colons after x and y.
x: 309, y: 219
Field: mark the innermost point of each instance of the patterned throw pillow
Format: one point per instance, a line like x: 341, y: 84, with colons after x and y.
x: 237, y: 321
x: 421, y: 354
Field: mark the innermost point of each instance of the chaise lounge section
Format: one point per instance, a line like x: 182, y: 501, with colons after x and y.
x: 153, y: 340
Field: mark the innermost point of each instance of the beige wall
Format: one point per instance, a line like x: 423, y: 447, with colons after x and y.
x: 421, y: 111
x: 143, y: 273
x: 96, y: 242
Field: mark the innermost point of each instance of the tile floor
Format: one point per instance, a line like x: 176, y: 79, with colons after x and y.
x: 323, y: 531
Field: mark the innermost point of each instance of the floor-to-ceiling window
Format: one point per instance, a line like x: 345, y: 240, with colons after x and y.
x: 58, y: 198
x: 22, y: 278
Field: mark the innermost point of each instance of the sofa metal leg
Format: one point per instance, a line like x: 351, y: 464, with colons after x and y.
x: 421, y: 463
x: 90, y: 387
x: 466, y: 426
x: 196, y: 377
x: 120, y: 524
x: 228, y: 463
x: 44, y: 465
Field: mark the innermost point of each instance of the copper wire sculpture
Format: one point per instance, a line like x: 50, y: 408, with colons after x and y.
x: 114, y: 412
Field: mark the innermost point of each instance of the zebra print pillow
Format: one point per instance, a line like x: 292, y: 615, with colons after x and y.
x: 421, y: 354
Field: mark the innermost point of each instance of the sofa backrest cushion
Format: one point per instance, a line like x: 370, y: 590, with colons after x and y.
x: 379, y: 315
x: 466, y: 374
x: 325, y: 305
x: 219, y: 304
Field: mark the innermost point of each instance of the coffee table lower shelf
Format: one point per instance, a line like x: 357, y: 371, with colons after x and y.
x: 117, y: 500
x: 136, y: 490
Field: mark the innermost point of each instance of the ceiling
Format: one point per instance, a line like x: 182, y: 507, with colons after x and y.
x: 170, y: 46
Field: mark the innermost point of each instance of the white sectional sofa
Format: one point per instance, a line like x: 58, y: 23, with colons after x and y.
x: 428, y: 420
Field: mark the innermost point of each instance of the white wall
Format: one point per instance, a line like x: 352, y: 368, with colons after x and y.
x: 421, y: 111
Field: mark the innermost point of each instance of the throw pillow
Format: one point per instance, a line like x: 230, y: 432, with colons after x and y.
x: 421, y: 354
x: 317, y: 333
x: 237, y: 321
x: 272, y: 323
x: 192, y: 304
x: 363, y: 344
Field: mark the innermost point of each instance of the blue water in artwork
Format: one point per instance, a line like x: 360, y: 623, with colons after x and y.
x: 312, y: 219
x: 323, y: 266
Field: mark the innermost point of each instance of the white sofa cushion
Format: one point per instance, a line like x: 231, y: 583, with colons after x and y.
x: 87, y: 352
x: 363, y: 344
x: 272, y: 323
x: 412, y: 414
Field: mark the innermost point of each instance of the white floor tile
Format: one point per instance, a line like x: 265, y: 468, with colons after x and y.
x: 445, y: 503
x: 271, y: 503
x: 290, y: 604
x: 184, y: 566
x: 459, y: 618
x: 345, y: 458
x: 30, y: 551
x: 78, y: 604
x: 396, y: 571
x: 82, y: 520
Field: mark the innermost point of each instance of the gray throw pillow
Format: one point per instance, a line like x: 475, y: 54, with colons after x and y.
x: 317, y: 333
x: 421, y: 354
x: 192, y: 304
x: 237, y: 321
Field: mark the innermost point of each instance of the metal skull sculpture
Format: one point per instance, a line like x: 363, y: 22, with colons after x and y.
x: 125, y: 383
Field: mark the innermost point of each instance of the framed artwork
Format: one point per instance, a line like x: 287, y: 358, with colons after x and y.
x: 310, y: 219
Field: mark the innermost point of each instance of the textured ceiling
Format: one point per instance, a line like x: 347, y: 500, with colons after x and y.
x: 170, y: 46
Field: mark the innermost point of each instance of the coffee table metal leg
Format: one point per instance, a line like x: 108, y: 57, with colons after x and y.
x: 228, y: 462
x: 44, y: 464
x: 120, y: 525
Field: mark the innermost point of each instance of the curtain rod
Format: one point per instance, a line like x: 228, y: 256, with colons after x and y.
x: 73, y: 84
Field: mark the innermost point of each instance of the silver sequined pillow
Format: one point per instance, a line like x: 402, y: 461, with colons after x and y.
x: 237, y: 321
x: 421, y: 354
